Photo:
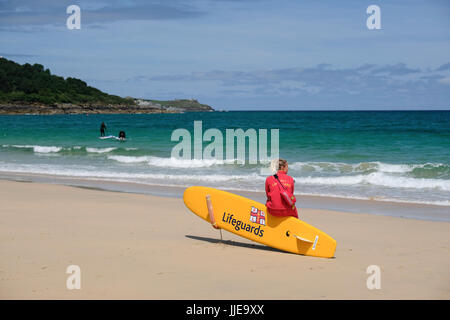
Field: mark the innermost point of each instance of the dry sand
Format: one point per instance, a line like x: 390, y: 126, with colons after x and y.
x: 132, y: 246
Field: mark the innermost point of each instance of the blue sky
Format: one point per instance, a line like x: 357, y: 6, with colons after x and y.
x: 243, y: 54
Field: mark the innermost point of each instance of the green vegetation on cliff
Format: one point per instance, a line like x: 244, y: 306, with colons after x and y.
x: 33, y: 84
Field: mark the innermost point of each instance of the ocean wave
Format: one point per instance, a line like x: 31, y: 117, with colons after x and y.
x: 378, y: 179
x: 438, y: 169
x: 65, y: 150
x: 100, y: 150
x: 169, y: 162
x: 36, y: 148
x: 93, y: 173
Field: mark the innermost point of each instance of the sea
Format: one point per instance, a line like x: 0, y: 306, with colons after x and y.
x: 386, y: 156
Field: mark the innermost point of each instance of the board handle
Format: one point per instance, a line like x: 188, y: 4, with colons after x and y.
x: 211, y: 212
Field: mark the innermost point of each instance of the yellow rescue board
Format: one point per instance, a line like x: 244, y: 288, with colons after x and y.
x: 249, y: 219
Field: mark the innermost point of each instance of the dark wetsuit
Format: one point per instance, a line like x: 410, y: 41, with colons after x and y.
x: 122, y: 135
x: 102, y: 129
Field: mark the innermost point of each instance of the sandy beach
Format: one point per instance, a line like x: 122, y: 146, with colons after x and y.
x: 134, y: 246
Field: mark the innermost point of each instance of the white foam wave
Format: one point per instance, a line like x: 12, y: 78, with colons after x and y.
x: 54, y: 149
x: 340, y: 167
x: 129, y: 159
x: 395, y: 168
x: 100, y: 150
x: 93, y: 173
x: 378, y: 179
x: 39, y: 149
x: 169, y: 162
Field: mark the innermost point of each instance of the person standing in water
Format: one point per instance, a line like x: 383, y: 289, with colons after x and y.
x: 122, y: 135
x: 280, y: 191
x: 102, y: 129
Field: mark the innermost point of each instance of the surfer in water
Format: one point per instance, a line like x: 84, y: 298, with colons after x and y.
x: 122, y: 135
x: 102, y: 129
x: 280, y: 191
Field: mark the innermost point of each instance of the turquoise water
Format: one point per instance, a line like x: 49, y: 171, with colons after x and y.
x: 386, y: 156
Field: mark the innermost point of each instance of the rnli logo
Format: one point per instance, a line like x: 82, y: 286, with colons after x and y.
x: 258, y: 216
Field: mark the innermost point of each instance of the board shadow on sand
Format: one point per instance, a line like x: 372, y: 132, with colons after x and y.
x: 236, y: 244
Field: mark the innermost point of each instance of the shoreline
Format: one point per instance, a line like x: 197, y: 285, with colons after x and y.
x: 408, y: 210
x: 137, y: 246
x: 139, y: 106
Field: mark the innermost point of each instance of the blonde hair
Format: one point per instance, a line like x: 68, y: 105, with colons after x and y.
x: 277, y: 164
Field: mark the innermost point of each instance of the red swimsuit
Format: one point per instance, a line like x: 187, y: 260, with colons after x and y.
x: 275, y: 205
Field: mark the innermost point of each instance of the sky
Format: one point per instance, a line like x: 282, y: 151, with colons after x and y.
x: 243, y: 54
